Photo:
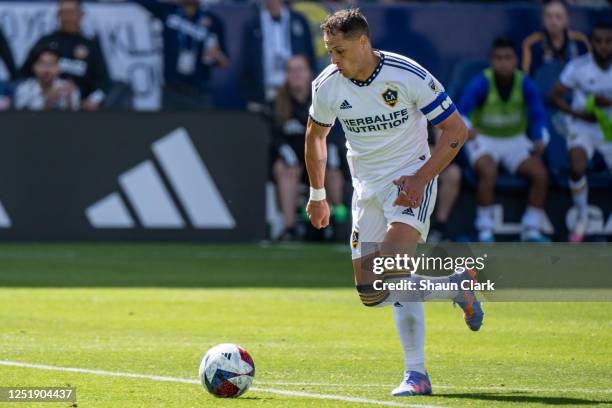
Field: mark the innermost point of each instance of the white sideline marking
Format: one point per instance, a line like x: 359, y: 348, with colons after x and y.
x: 288, y: 383
x: 448, y: 387
x: 187, y: 381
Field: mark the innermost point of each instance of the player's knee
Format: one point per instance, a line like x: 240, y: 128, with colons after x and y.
x: 370, y: 296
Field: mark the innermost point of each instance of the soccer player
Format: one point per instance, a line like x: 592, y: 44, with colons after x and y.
x: 501, y: 106
x: 590, y: 78
x: 383, y: 101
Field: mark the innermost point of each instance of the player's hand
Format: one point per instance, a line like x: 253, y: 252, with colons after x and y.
x: 215, y: 54
x: 318, y: 213
x: 602, y: 101
x: 54, y: 95
x: 411, y: 193
x: 586, y: 116
x: 89, y: 105
x: 538, y: 148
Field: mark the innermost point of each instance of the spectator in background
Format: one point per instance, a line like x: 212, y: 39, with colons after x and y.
x: 503, y: 105
x: 194, y: 43
x: 289, y: 129
x: 46, y: 91
x: 591, y: 3
x: 590, y: 79
x: 9, y: 63
x: 556, y: 44
x: 7, y: 57
x: 81, y: 59
x: 271, y: 37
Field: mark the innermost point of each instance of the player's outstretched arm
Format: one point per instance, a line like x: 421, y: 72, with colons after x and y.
x: 454, y: 134
x: 316, y: 161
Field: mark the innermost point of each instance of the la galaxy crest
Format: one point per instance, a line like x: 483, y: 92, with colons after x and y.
x: 390, y: 96
x: 355, y: 239
x: 434, y: 86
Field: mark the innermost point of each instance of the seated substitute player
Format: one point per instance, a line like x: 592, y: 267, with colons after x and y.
x: 503, y: 106
x: 590, y: 77
x: 383, y: 101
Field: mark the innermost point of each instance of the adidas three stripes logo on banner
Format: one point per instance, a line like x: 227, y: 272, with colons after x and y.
x: 152, y: 203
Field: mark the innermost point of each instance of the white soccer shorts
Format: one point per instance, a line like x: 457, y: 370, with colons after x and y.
x: 589, y: 137
x: 373, y: 215
x: 509, y: 151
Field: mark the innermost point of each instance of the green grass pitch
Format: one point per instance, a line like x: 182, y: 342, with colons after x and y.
x: 155, y: 309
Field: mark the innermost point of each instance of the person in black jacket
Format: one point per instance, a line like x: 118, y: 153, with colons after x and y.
x: 194, y: 43
x: 270, y: 38
x: 81, y: 58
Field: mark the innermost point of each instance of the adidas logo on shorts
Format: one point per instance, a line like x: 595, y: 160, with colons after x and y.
x: 408, y: 211
x: 345, y: 105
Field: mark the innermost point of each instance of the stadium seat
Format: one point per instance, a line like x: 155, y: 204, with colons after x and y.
x: 555, y: 155
x: 546, y: 77
x: 462, y: 74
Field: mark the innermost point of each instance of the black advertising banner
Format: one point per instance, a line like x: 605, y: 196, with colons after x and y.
x: 127, y: 176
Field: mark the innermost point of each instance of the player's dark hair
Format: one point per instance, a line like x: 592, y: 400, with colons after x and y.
x: 502, y: 42
x: 350, y: 22
x: 602, y: 25
x: 549, y: 2
x: 47, y: 50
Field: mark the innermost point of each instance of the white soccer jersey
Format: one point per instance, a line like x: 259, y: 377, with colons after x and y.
x: 586, y: 78
x: 384, y: 118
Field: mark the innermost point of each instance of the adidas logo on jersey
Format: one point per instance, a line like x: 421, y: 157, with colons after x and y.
x: 408, y: 211
x: 345, y: 105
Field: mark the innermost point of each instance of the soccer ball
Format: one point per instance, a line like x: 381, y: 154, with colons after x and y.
x: 227, y: 371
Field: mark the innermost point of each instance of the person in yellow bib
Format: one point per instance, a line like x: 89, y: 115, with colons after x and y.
x: 501, y: 106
